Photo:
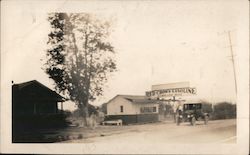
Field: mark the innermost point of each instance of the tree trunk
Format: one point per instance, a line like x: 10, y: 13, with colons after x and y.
x: 86, y: 115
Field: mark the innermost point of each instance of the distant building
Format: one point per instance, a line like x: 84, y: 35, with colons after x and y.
x: 133, y: 109
x: 160, y: 103
x: 35, y: 106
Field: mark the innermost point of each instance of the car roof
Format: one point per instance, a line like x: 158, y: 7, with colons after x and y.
x: 194, y: 103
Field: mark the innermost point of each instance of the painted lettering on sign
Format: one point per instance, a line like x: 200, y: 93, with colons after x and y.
x: 171, y: 92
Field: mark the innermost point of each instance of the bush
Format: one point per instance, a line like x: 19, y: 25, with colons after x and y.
x: 103, y: 108
x: 207, y: 108
x: 224, y: 110
x: 77, y: 112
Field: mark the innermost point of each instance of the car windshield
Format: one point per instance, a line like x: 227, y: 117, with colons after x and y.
x: 192, y: 106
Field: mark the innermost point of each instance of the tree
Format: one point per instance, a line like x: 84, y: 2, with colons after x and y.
x: 91, y: 109
x: 224, y: 110
x: 79, y: 56
x: 207, y: 107
x: 103, y: 108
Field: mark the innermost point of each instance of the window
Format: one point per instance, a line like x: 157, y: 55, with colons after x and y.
x: 148, y: 109
x: 185, y: 107
x: 154, y: 109
x: 121, y: 108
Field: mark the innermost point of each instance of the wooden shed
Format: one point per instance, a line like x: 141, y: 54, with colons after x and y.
x: 35, y: 106
x: 33, y: 98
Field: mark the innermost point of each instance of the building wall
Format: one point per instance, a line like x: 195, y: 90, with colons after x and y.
x: 131, y: 111
x: 113, y: 107
x: 34, y: 107
x: 138, y: 107
x: 132, y: 119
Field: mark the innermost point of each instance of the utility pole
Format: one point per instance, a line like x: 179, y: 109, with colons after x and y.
x: 232, y: 56
x: 231, y: 49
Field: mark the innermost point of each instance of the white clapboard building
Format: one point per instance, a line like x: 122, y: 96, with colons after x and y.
x: 133, y: 109
x: 142, y: 109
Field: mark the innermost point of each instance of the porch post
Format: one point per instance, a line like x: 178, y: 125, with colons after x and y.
x: 61, y: 106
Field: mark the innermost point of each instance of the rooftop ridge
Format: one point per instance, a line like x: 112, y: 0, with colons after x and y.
x: 131, y: 95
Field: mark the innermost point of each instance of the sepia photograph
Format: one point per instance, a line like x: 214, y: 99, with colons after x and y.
x: 153, y: 77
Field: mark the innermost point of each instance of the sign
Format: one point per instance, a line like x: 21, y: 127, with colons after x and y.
x: 171, y: 92
x: 170, y: 86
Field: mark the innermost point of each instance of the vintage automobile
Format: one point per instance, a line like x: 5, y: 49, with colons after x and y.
x: 192, y: 112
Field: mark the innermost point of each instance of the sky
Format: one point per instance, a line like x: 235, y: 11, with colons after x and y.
x: 156, y: 42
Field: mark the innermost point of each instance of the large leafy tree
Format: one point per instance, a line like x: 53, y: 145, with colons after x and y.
x: 80, y: 57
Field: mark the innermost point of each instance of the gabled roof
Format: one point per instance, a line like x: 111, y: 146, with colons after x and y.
x: 137, y: 99
x: 21, y: 86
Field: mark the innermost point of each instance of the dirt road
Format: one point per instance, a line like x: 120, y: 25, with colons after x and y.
x: 220, y: 131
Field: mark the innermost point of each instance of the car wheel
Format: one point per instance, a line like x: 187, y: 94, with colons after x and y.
x: 193, y: 121
x: 206, y: 120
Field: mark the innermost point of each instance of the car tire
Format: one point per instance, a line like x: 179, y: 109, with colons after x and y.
x: 193, y: 121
